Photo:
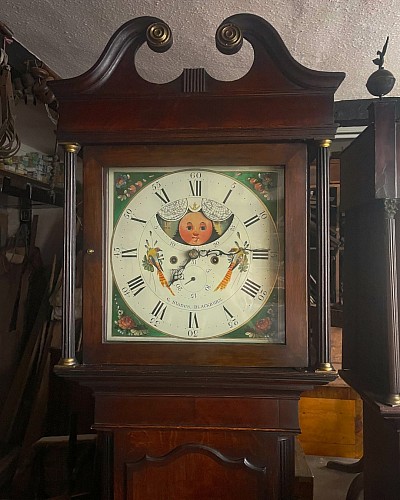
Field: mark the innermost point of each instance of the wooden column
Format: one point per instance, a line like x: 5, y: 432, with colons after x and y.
x: 323, y: 259
x: 68, y: 355
x: 393, y: 397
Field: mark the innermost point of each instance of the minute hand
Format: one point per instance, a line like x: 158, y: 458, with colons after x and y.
x: 258, y: 253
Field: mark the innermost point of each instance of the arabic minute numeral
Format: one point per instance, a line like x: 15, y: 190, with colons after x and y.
x: 128, y: 214
x: 262, y: 294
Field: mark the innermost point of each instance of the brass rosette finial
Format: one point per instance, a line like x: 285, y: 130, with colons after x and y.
x: 229, y: 38
x: 159, y: 37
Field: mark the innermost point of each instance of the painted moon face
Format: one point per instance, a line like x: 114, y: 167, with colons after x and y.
x: 195, y: 228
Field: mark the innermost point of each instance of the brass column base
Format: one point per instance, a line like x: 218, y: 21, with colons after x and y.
x: 67, y: 362
x: 325, y: 367
x: 390, y: 399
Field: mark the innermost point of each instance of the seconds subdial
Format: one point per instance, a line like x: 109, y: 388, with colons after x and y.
x: 195, y: 278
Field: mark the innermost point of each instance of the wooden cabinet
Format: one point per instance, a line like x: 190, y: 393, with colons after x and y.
x: 214, y: 413
x: 369, y: 200
x: 370, y: 173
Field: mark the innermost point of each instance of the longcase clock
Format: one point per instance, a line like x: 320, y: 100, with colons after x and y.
x: 195, y: 310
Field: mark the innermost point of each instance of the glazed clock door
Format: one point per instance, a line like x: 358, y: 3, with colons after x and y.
x: 195, y: 254
x: 203, y: 251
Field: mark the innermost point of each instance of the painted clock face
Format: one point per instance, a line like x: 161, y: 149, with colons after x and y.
x: 195, y: 255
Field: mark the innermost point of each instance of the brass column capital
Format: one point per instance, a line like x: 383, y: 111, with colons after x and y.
x: 71, y: 147
x: 325, y: 143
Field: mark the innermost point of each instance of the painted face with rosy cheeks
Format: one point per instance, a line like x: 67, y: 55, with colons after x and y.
x: 195, y: 228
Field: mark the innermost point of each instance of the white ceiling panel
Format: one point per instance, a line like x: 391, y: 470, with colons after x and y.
x: 328, y: 35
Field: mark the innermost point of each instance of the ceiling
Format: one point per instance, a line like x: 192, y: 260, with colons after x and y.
x: 328, y: 35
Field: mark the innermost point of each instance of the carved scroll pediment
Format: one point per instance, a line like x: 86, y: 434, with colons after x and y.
x: 276, y: 98
x: 273, y: 68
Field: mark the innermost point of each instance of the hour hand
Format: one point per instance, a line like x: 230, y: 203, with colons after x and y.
x: 177, y: 274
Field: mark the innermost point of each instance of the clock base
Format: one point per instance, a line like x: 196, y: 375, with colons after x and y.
x: 196, y: 433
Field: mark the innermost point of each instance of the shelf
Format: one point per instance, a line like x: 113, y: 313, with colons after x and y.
x: 21, y: 186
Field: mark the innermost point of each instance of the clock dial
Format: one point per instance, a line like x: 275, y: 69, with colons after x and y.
x: 196, y: 255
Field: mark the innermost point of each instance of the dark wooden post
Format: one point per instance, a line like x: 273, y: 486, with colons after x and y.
x: 392, y: 303
x: 68, y: 355
x: 323, y: 259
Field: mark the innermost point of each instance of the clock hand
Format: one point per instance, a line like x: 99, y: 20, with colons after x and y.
x: 177, y: 274
x: 234, y: 251
x: 238, y: 258
x: 206, y: 253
